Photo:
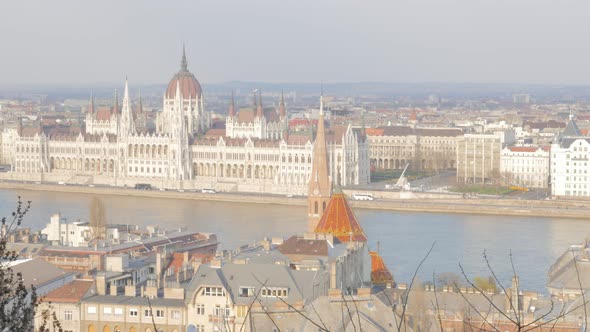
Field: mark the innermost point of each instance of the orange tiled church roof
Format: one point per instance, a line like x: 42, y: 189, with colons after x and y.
x: 380, y: 274
x: 339, y: 221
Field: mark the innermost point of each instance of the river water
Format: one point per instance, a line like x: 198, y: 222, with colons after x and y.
x: 404, y: 238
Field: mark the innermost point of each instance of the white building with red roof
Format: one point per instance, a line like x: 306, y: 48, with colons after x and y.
x: 525, y: 166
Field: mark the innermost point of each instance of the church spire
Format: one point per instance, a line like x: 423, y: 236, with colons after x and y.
x: 319, y: 182
x: 183, y: 62
x: 232, y: 106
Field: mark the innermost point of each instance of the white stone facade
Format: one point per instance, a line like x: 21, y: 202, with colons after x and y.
x: 525, y: 166
x: 115, y: 149
x: 570, y: 163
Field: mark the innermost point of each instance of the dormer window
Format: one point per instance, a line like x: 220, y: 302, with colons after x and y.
x: 275, y: 292
x: 213, y: 291
x: 246, y: 291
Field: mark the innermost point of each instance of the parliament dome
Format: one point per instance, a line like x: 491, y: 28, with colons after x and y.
x: 190, y: 88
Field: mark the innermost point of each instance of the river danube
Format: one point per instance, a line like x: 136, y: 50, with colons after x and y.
x: 404, y: 237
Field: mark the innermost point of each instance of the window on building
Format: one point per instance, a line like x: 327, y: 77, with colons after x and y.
x: 200, y: 328
x: 68, y: 315
x: 200, y: 309
x: 274, y: 292
x: 159, y: 313
x: 118, y: 311
x: 213, y: 291
x: 107, y: 310
x: 92, y: 310
x: 147, y: 313
x: 218, y: 310
x: 246, y: 291
x: 175, y: 314
x: 133, y: 312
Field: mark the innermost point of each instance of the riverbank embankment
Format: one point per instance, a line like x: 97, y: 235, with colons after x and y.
x: 430, y: 203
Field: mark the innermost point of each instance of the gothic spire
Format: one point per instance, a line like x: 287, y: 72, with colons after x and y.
x: 259, y: 109
x: 232, y: 106
x: 127, y: 125
x: 183, y: 62
x: 319, y: 190
x: 282, y: 110
x: 90, y: 109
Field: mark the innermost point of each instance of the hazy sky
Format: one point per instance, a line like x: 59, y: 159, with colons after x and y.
x: 504, y: 41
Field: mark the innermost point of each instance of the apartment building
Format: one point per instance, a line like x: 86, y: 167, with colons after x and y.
x: 478, y: 156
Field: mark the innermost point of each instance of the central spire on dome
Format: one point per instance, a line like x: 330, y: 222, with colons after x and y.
x: 183, y: 62
x: 189, y: 86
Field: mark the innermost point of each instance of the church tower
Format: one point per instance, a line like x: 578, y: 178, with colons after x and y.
x: 319, y: 189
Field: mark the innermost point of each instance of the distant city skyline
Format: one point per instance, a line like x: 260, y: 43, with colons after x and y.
x: 62, y: 42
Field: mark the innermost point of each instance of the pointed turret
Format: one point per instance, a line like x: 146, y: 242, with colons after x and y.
x: 232, y: 106
x: 259, y: 109
x: 571, y: 129
x: 139, y: 116
x: 183, y: 62
x: 90, y: 109
x: 282, y: 109
x: 139, y: 108
x: 319, y: 182
x: 127, y: 126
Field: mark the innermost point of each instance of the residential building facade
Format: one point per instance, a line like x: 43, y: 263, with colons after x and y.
x: 525, y: 166
x: 569, y: 163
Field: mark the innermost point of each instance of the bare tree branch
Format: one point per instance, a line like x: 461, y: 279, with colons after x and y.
x: 405, y: 300
x: 324, y: 328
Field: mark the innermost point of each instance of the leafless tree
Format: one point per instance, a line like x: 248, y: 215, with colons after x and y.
x: 98, y: 224
x: 19, y: 304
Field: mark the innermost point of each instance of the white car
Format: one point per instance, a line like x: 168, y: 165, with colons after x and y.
x: 208, y: 191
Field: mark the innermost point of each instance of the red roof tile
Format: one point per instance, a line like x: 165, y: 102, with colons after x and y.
x: 380, y: 274
x: 71, y: 293
x: 339, y: 220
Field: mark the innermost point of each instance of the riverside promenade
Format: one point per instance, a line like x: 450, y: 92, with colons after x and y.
x: 430, y: 203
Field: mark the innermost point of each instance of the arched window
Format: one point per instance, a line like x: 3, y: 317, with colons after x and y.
x: 323, y: 206
x: 315, y: 208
